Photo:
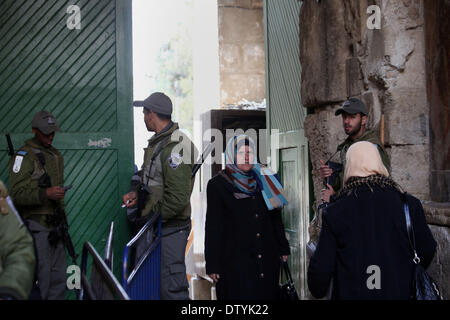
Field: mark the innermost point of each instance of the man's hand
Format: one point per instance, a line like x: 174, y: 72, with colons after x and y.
x: 327, y: 193
x: 215, y: 277
x: 55, y: 193
x: 129, y: 199
x: 324, y: 170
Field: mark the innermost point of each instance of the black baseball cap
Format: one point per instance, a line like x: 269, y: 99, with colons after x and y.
x: 157, y: 102
x: 352, y: 106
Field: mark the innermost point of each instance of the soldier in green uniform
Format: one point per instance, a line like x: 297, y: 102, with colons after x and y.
x: 17, y: 259
x: 167, y: 183
x: 354, y: 118
x: 36, y: 176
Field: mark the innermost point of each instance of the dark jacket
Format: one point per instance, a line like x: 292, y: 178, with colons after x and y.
x: 243, y: 242
x: 367, y: 228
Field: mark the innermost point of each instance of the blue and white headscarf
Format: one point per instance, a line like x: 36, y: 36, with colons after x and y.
x: 259, y: 178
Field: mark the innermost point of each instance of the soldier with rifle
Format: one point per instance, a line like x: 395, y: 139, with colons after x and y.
x: 354, y: 118
x: 36, y: 175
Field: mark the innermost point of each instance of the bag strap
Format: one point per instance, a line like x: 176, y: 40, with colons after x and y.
x: 287, y: 271
x: 159, y: 147
x: 410, y: 229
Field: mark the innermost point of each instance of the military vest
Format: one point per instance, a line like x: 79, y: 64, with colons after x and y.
x: 152, y: 173
x: 159, y: 158
x: 44, y: 161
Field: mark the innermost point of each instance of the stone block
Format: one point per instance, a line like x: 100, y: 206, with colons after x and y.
x: 439, y: 268
x: 414, y: 75
x: 324, y: 133
x: 235, y: 87
x: 407, y: 116
x: 253, y: 55
x: 411, y: 168
x: 324, y: 49
x: 398, y: 47
x: 247, y: 4
x: 437, y: 213
x: 235, y: 3
x: 440, y: 185
x: 402, y: 15
x: 257, y: 4
x: 354, y: 77
x: 374, y: 113
x: 237, y: 25
x: 230, y: 58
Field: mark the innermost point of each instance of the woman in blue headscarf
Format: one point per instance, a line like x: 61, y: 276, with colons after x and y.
x: 244, y: 233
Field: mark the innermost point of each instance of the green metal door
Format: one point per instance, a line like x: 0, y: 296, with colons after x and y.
x: 74, y: 59
x: 286, y: 114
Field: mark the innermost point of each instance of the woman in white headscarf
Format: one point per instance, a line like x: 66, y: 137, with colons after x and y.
x: 363, y: 244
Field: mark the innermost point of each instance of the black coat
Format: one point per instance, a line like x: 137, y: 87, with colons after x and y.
x: 366, y: 229
x: 243, y: 243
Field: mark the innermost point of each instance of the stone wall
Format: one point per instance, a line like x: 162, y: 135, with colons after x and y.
x: 438, y: 218
x: 387, y: 68
x: 439, y: 268
x: 437, y: 26
x: 241, y: 51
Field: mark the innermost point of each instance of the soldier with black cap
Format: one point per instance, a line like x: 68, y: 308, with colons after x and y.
x: 166, y: 178
x: 36, y: 174
x: 354, y: 119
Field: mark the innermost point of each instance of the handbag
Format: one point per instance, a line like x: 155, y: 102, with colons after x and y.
x: 287, y: 290
x: 423, y: 286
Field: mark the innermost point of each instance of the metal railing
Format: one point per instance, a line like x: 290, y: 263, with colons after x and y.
x: 104, y: 273
x: 143, y: 282
x: 109, y: 255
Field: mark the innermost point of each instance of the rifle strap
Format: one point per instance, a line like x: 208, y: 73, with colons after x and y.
x: 147, y: 173
x: 40, y: 156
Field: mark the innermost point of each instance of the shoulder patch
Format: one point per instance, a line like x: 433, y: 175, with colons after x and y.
x: 17, y: 164
x: 22, y: 153
x: 174, y: 160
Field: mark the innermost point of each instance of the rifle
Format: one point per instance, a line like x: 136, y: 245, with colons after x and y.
x: 336, y: 167
x: 10, y: 145
x: 63, y: 232
x: 59, y: 218
x: 202, y: 158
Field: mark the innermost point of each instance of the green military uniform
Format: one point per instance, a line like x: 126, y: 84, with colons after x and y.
x: 29, y: 195
x: 17, y: 260
x: 169, y: 177
x: 30, y: 198
x: 167, y: 171
x: 369, y: 136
